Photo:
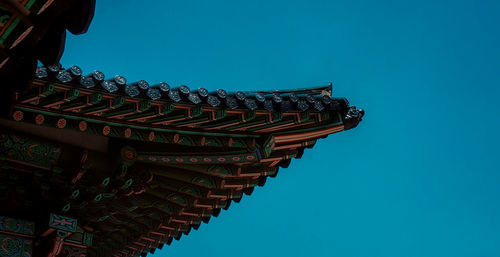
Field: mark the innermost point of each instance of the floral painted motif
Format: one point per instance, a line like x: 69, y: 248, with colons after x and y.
x: 82, y: 125
x: 18, y: 115
x: 39, y: 119
x: 15, y: 247
x: 106, y: 130
x: 61, y: 123
x: 29, y: 151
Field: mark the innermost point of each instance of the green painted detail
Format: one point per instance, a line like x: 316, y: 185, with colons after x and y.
x: 98, y: 197
x: 9, y: 30
x: 62, y: 233
x: 162, y: 138
x: 48, y: 89
x: 29, y: 151
x: 45, y: 90
x: 82, y: 102
x: 95, y: 98
x: 106, y: 181
x: 183, y: 140
x: 66, y: 96
x: 144, y: 105
x: 211, y: 141
x: 80, y: 238
x: 250, y: 115
x: 5, y: 16
x: 75, y: 193
x: 237, y: 142
x: 16, y: 226
x: 129, y: 182
x: 29, y: 4
x: 196, y: 111
x: 87, y: 239
x: 123, y: 170
x: 62, y: 223
x: 268, y: 146
x: 156, y: 129
x: 271, y: 172
x: 12, y: 246
x: 167, y: 108
x: 118, y: 101
x: 72, y: 94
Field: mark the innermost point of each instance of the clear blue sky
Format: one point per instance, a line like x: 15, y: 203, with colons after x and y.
x: 419, y: 177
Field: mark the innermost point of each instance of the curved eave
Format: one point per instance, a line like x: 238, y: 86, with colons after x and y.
x: 187, y: 157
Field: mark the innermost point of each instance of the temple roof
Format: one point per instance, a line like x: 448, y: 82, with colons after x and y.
x: 136, y: 164
x: 314, y: 98
x: 157, y: 161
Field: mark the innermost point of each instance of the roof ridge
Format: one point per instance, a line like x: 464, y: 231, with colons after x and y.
x: 302, y: 99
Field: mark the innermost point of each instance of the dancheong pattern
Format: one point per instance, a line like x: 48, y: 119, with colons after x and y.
x: 138, y: 165
x: 15, y: 237
x: 26, y: 150
x: 11, y: 246
x: 153, y: 163
x: 62, y: 223
x: 16, y: 226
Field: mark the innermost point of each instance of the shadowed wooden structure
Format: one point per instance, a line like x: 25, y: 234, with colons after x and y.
x: 92, y: 165
x: 35, y: 30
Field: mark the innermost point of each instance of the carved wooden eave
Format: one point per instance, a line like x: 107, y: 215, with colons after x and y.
x: 138, y: 165
x: 92, y: 165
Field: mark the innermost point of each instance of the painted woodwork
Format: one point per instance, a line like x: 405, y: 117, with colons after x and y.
x: 28, y: 151
x: 16, y: 237
x: 173, y: 157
